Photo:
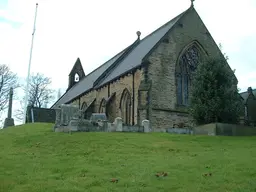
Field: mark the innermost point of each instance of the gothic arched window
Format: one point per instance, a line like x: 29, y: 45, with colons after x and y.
x: 84, y: 106
x: 102, y: 108
x: 125, y: 106
x: 187, y: 64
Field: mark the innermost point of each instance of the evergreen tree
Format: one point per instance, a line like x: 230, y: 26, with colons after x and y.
x: 214, y: 96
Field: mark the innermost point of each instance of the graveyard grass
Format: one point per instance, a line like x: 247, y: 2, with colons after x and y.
x: 33, y: 158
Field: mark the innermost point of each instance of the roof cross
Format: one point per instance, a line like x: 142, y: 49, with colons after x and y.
x: 192, y: 3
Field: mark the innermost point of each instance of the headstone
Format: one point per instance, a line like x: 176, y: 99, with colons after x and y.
x: 67, y: 113
x: 9, y: 121
x: 73, y: 125
x: 58, y: 117
x: 145, y: 124
x: 111, y: 127
x: 77, y: 114
x: 119, y: 124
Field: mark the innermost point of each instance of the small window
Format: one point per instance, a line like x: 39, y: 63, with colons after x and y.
x: 76, y: 77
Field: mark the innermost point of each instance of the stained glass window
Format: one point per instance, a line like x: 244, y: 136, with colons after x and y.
x: 186, y: 65
x: 191, y: 58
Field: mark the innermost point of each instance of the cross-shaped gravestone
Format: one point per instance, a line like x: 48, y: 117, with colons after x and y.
x: 9, y: 120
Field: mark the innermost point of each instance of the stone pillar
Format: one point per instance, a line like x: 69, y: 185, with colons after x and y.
x: 9, y: 121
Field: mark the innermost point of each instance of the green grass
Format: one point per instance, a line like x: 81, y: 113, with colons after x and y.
x: 35, y: 159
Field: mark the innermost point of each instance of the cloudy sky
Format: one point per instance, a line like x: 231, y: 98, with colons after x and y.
x: 96, y: 30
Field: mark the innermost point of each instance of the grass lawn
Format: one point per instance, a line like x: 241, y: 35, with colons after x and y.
x: 35, y: 159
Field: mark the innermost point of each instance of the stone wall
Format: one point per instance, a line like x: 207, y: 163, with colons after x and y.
x: 187, y: 131
x: 224, y: 130
x: 88, y: 98
x: 170, y: 119
x: 42, y: 115
x: 208, y: 129
x: 234, y: 130
x: 117, y: 87
x: 162, y: 68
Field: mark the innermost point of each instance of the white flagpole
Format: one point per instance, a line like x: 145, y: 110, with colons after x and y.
x: 29, y: 66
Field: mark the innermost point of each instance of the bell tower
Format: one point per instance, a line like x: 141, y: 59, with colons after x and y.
x: 76, y: 74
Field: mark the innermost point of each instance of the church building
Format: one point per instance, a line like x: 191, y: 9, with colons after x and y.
x: 150, y: 79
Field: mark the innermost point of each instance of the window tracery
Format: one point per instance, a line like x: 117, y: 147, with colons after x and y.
x: 186, y: 65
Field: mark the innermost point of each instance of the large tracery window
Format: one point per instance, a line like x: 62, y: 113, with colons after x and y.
x: 186, y: 65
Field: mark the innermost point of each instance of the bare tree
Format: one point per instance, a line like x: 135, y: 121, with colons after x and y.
x: 59, y: 93
x: 221, y: 49
x: 19, y: 113
x: 40, y: 94
x: 8, y: 79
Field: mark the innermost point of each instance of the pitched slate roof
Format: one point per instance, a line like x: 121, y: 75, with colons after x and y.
x: 86, y: 83
x: 245, y: 94
x: 120, y: 64
x: 134, y: 59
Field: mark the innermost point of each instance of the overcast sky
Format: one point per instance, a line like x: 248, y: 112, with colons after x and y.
x: 96, y: 30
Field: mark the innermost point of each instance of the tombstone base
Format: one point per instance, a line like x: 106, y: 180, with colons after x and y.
x: 8, y: 122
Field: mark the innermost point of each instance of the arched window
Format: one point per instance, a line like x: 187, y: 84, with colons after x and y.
x: 84, y: 106
x: 186, y: 65
x: 102, y: 108
x: 125, y: 106
x: 76, y: 79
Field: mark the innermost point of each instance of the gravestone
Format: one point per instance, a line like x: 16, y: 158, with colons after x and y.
x: 58, y: 117
x: 65, y: 114
x: 119, y: 124
x: 68, y: 112
x: 9, y: 121
x: 74, y: 124
x: 111, y: 127
x: 145, y: 124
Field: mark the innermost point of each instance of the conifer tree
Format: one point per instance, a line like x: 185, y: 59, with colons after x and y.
x: 214, y: 95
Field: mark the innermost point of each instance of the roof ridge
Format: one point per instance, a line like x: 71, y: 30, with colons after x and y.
x: 98, y: 68
x: 89, y: 74
x: 106, y: 61
x: 126, y: 53
x: 178, y: 17
x: 109, y: 67
x: 124, y: 50
x: 115, y: 64
x: 168, y: 22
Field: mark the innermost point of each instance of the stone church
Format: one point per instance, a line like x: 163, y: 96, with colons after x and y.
x: 150, y: 79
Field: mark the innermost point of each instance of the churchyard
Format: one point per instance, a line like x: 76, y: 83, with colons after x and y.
x: 69, y: 118
x: 34, y: 158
